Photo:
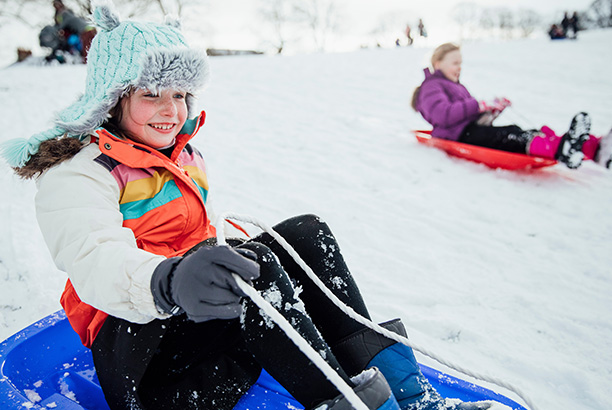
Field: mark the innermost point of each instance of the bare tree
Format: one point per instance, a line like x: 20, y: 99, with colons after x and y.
x: 132, y: 8
x: 601, y: 12
x: 20, y: 11
x: 83, y: 7
x: 320, y: 16
x: 466, y: 15
x: 506, y: 21
x: 497, y: 21
x: 280, y: 14
x: 488, y: 20
x: 527, y: 21
x: 176, y: 7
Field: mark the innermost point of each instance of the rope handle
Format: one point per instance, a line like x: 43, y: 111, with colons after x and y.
x: 302, y: 344
x: 254, y: 295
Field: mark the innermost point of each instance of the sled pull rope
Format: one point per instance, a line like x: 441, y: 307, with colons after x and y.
x: 522, y: 117
x: 254, y: 295
x: 299, y: 341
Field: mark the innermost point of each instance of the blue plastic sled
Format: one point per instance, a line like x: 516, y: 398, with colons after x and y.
x: 45, y: 366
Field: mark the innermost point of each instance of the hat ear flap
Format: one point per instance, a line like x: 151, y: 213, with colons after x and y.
x: 104, y: 15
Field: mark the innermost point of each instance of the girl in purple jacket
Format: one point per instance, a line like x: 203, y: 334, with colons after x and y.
x: 455, y: 115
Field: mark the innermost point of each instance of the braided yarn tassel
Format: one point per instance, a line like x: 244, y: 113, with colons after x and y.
x: 18, y: 152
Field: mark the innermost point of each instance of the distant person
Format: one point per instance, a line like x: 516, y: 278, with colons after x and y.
x: 575, y: 24
x: 455, y: 115
x: 565, y: 23
x: 556, y: 33
x: 422, y: 31
x: 75, y: 31
x: 49, y: 37
x: 408, y: 35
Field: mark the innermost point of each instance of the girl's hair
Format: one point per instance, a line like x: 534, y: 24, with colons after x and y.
x: 115, y: 117
x: 438, y: 54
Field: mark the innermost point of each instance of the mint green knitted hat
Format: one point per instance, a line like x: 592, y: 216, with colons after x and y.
x: 123, y: 55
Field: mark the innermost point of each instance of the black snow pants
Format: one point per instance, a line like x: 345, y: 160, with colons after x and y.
x: 509, y: 138
x: 179, y: 364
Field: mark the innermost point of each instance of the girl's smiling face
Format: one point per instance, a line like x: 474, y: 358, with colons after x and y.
x: 153, y: 119
x: 450, y: 65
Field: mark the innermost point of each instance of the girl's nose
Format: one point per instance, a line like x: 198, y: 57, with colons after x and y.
x: 168, y: 107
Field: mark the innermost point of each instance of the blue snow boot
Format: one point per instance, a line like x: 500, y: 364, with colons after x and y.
x: 373, y: 390
x: 397, y: 363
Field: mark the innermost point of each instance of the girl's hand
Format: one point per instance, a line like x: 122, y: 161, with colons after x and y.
x: 503, y: 102
x: 202, y: 284
x: 494, y: 106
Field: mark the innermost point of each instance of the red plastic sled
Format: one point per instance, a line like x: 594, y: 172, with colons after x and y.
x: 492, y: 158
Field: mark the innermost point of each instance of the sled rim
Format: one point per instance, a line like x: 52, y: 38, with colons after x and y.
x: 490, y: 157
x: 76, y: 370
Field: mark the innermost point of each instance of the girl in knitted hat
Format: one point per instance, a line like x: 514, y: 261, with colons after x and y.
x: 122, y: 206
x: 455, y: 115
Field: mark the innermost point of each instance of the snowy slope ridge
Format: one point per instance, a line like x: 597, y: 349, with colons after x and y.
x: 502, y: 272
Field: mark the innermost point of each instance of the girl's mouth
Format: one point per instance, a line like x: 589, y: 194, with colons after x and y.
x: 162, y: 127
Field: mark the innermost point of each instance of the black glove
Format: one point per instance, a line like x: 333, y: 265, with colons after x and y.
x: 202, y: 285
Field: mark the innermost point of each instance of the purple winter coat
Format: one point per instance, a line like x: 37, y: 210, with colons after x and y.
x: 446, y: 105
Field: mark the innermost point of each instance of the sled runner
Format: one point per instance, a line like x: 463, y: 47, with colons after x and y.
x: 45, y: 366
x: 492, y: 158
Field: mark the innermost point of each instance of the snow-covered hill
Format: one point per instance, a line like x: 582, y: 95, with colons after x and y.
x: 505, y: 273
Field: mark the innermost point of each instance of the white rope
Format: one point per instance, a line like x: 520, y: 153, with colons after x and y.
x: 302, y: 344
x: 521, y: 116
x: 350, y: 312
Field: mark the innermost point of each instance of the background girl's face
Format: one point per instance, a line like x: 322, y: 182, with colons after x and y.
x: 450, y: 65
x: 153, y: 119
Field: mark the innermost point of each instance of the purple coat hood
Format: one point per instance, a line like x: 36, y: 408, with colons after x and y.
x: 446, y: 105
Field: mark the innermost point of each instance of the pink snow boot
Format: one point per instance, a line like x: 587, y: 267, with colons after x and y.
x: 591, y: 147
x: 544, y: 144
x: 603, y: 155
x: 569, y: 149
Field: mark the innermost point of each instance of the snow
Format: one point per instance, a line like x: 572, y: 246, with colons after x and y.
x: 32, y: 395
x: 504, y: 273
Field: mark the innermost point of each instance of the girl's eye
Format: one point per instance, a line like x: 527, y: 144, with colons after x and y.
x: 179, y: 95
x: 150, y: 95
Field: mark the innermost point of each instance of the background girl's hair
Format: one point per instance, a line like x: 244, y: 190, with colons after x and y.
x: 442, y: 50
x: 415, y: 97
x: 438, y: 54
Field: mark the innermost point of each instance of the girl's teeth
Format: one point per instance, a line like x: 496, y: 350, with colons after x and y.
x: 162, y: 127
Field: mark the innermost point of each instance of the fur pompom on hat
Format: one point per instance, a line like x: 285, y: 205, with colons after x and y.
x: 123, y: 55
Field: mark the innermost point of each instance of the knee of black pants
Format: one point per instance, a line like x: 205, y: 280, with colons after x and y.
x: 273, y: 284
x: 278, y: 290
x: 316, y: 245
x: 314, y: 242
x: 270, y: 270
x: 508, y: 130
x: 302, y: 227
